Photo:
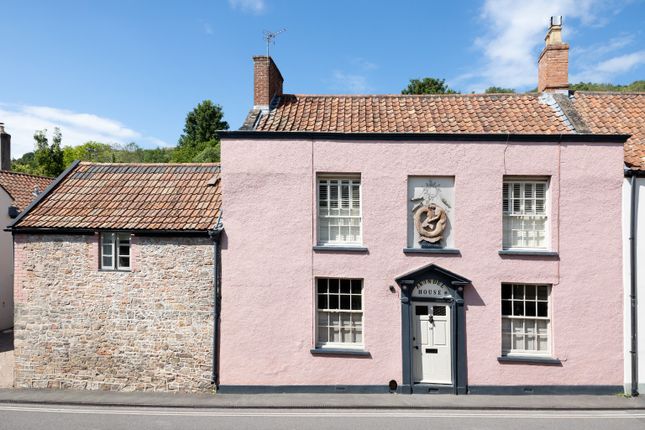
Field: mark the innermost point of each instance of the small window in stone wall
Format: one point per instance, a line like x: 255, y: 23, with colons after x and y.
x: 115, y: 251
x: 431, y: 211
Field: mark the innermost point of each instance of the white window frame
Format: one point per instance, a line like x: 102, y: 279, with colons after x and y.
x: 508, y: 212
x: 354, y: 179
x: 112, y: 242
x: 329, y: 311
x: 534, y: 320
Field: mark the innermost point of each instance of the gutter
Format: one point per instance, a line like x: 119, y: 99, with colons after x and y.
x: 416, y: 137
x: 632, y: 281
x: 215, y: 235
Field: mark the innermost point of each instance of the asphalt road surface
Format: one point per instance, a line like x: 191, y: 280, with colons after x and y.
x: 48, y: 417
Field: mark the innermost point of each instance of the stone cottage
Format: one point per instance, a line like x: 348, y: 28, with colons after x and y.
x: 115, y: 279
x: 17, y: 190
x: 424, y: 243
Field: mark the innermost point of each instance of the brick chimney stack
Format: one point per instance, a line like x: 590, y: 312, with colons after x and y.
x: 5, y: 149
x: 553, y: 64
x: 267, y: 82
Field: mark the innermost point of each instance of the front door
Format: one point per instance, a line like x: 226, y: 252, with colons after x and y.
x: 431, y: 348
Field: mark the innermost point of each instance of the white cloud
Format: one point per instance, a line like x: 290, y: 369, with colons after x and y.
x: 253, y: 6
x: 514, y: 35
x: 348, y: 82
x: 363, y: 63
x: 77, y: 128
x: 607, y: 69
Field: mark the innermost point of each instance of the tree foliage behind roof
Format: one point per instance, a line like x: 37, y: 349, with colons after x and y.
x: 428, y: 86
x: 636, y: 86
x: 200, y: 143
x: 498, y: 90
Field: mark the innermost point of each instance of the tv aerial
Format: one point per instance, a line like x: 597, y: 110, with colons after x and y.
x: 270, y: 36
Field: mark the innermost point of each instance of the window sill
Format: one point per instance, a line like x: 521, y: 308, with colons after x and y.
x: 340, y: 248
x: 340, y: 351
x: 528, y: 252
x: 527, y: 359
x: 431, y: 251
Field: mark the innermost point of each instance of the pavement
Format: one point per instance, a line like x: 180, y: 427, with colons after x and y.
x: 321, y: 401
x: 6, y: 359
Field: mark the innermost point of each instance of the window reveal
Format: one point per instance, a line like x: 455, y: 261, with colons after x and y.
x: 525, y: 214
x: 526, y: 323
x: 115, y: 251
x: 339, y: 211
x: 339, y: 312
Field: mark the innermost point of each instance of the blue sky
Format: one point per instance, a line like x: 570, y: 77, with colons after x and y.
x: 122, y: 71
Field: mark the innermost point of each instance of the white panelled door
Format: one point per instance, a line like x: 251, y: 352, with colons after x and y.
x: 431, y: 343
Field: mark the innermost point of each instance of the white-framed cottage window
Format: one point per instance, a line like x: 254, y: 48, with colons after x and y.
x: 525, y: 214
x: 339, y: 210
x: 526, y: 319
x: 339, y: 308
x: 115, y: 251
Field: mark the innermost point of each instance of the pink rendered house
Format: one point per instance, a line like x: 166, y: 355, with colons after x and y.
x: 422, y: 243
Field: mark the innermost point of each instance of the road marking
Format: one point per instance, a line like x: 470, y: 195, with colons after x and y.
x: 623, y: 414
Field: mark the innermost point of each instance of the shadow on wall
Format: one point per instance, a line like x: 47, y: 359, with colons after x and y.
x: 6, y: 341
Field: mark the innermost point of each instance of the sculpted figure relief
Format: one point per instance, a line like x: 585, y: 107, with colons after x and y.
x: 430, y: 222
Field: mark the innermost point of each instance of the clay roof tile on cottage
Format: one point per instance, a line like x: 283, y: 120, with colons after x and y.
x: 616, y: 113
x: 449, y: 113
x: 21, y: 186
x: 177, y: 197
x: 534, y: 113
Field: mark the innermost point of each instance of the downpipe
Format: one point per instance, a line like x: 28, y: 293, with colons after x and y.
x: 217, y: 303
x: 632, y: 288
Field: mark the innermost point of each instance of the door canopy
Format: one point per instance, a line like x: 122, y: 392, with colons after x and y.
x: 432, y: 282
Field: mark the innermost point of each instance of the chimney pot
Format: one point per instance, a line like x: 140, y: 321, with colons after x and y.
x: 553, y: 64
x: 267, y: 82
x: 5, y: 149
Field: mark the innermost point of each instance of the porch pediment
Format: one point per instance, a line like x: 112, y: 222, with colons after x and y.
x: 428, y: 272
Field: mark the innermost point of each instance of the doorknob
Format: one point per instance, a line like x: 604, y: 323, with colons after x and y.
x: 416, y: 347
x: 431, y: 320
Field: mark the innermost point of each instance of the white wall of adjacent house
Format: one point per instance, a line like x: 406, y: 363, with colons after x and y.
x: 640, y: 279
x: 6, y: 263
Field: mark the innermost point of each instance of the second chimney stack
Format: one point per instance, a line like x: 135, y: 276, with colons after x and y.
x: 553, y: 64
x: 267, y: 82
x: 5, y: 149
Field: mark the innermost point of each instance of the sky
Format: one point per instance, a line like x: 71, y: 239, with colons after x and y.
x: 129, y: 71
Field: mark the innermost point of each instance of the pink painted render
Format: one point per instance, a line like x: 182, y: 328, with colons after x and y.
x: 269, y: 267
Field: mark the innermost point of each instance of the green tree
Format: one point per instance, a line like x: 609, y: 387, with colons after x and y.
x: 49, y: 158
x: 428, y: 86
x: 200, y: 143
x: 636, y: 86
x: 498, y: 90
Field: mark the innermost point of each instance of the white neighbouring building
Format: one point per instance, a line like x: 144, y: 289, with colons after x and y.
x: 17, y: 190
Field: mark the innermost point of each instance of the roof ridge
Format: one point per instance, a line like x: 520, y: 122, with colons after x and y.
x: 25, y: 174
x: 612, y: 93
x: 416, y: 95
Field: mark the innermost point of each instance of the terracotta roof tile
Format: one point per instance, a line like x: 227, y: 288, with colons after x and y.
x: 21, y: 186
x: 133, y: 197
x: 606, y: 113
x: 481, y: 113
x: 616, y: 113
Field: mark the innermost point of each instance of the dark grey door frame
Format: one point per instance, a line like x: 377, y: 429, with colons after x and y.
x: 456, y: 286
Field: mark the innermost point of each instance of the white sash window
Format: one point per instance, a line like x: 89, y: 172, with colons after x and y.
x: 526, y: 320
x: 115, y: 251
x: 339, y: 312
x: 339, y: 211
x: 525, y: 214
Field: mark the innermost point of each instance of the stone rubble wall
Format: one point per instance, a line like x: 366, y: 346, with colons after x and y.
x: 81, y: 328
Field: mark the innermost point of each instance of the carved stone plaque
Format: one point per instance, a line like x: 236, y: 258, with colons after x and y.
x: 431, y: 210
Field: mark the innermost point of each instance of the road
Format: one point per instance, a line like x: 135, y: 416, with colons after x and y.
x: 71, y: 418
